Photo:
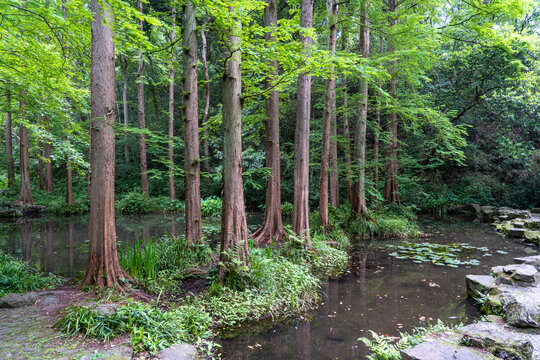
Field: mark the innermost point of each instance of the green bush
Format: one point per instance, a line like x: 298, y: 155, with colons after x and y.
x: 287, y: 209
x: 166, y: 204
x: 135, y: 203
x: 16, y: 276
x: 211, y: 207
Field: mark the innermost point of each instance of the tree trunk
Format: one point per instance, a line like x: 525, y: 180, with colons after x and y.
x: 41, y: 175
x: 301, y: 139
x: 69, y: 182
x: 359, y: 192
x: 103, y: 266
x: 123, y: 62
x: 347, y: 141
x: 391, y: 194
x: 234, y: 237
x: 329, y: 116
x: 206, y: 102
x: 376, y: 140
x: 172, y: 190
x: 272, y: 229
x: 191, y: 127
x: 142, y: 114
x: 9, y: 144
x: 25, y: 193
x: 47, y: 157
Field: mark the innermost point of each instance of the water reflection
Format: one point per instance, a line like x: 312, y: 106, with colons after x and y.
x: 380, y: 293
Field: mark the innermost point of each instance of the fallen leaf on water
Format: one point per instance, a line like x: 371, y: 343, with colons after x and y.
x: 432, y: 284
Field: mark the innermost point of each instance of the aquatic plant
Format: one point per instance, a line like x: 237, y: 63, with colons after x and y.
x: 451, y: 255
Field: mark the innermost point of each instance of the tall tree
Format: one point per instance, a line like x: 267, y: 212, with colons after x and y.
x: 9, y: 143
x: 103, y: 267
x: 234, y: 236
x: 376, y: 136
x: 172, y: 191
x: 192, y: 165
x: 391, y: 194
x: 142, y: 113
x: 272, y: 229
x: 25, y: 193
x: 359, y: 192
x: 329, y: 117
x: 301, y: 139
x: 204, y: 55
x: 124, y: 65
x: 47, y: 157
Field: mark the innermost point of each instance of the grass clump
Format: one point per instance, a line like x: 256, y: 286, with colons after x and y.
x: 17, y: 276
x: 388, y: 348
x: 211, y: 207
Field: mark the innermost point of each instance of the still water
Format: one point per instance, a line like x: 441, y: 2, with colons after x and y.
x: 377, y: 293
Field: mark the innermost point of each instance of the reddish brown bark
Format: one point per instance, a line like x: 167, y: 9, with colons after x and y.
x: 391, y: 191
x: 142, y: 113
x: 172, y: 190
x: 301, y: 139
x: 347, y: 142
x: 234, y: 236
x: 272, y: 230
x: 9, y: 144
x: 329, y: 116
x: 123, y: 62
x: 376, y: 140
x: 69, y: 182
x: 191, y: 127
x: 359, y: 192
x: 25, y: 193
x: 47, y: 159
x: 204, y: 55
x: 103, y: 267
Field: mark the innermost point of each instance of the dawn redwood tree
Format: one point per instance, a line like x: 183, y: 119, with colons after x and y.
x: 25, y: 193
x: 9, y: 143
x: 124, y: 66
x: 234, y: 235
x: 329, y: 115
x: 103, y: 267
x: 376, y: 140
x: 172, y: 191
x: 272, y: 229
x: 142, y: 113
x: 301, y: 138
x: 391, y: 194
x: 47, y: 156
x: 346, y: 131
x: 359, y: 192
x: 206, y: 145
x: 191, y: 126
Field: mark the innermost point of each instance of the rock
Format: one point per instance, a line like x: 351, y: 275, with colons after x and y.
x: 533, y: 223
x: 522, y: 306
x: 106, y: 309
x: 502, y: 339
x: 18, y: 300
x: 178, y: 352
x: 514, y: 232
x: 532, y: 236
x: 10, y: 212
x: 480, y: 285
x: 439, y: 350
x: 516, y: 274
x: 536, y: 209
x: 529, y: 260
x: 122, y: 351
x: 519, y: 224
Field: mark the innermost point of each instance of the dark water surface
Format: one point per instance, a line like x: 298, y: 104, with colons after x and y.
x: 60, y: 245
x: 383, y: 294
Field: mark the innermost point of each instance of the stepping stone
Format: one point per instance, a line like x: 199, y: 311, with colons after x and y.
x: 529, y: 260
x: 535, y: 211
x: 519, y: 224
x: 504, y: 340
x: 533, y: 224
x: 480, y: 285
x: 514, y: 232
x: 439, y: 350
x: 521, y: 306
x: 516, y: 274
x: 118, y: 352
x: 178, y: 352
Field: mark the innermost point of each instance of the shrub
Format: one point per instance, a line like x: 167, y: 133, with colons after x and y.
x: 287, y: 209
x: 135, y: 203
x: 166, y: 204
x: 16, y: 276
x: 211, y: 207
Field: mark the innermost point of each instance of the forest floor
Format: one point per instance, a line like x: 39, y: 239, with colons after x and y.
x: 27, y: 332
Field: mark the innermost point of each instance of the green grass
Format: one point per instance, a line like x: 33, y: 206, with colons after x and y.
x: 17, y: 276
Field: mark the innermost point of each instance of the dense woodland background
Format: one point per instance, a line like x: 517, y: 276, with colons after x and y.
x: 467, y: 100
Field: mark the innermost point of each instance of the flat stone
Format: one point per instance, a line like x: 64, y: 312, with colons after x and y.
x: 532, y: 236
x: 522, y: 306
x: 106, y: 309
x: 514, y: 232
x: 18, y: 300
x: 480, y: 285
x: 533, y: 224
x: 519, y: 224
x: 503, y: 340
x: 529, y: 260
x: 516, y: 274
x: 439, y: 350
x: 178, y: 352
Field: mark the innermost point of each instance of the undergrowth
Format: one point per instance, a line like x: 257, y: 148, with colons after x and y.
x: 17, y: 276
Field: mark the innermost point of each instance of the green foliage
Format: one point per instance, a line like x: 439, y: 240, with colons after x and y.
x: 17, y: 276
x: 135, y: 203
x: 211, y: 207
x: 287, y: 209
x: 451, y: 255
x: 387, y: 348
x: 139, y: 259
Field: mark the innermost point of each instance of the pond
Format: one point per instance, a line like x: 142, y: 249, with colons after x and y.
x: 379, y: 292
x: 383, y: 294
